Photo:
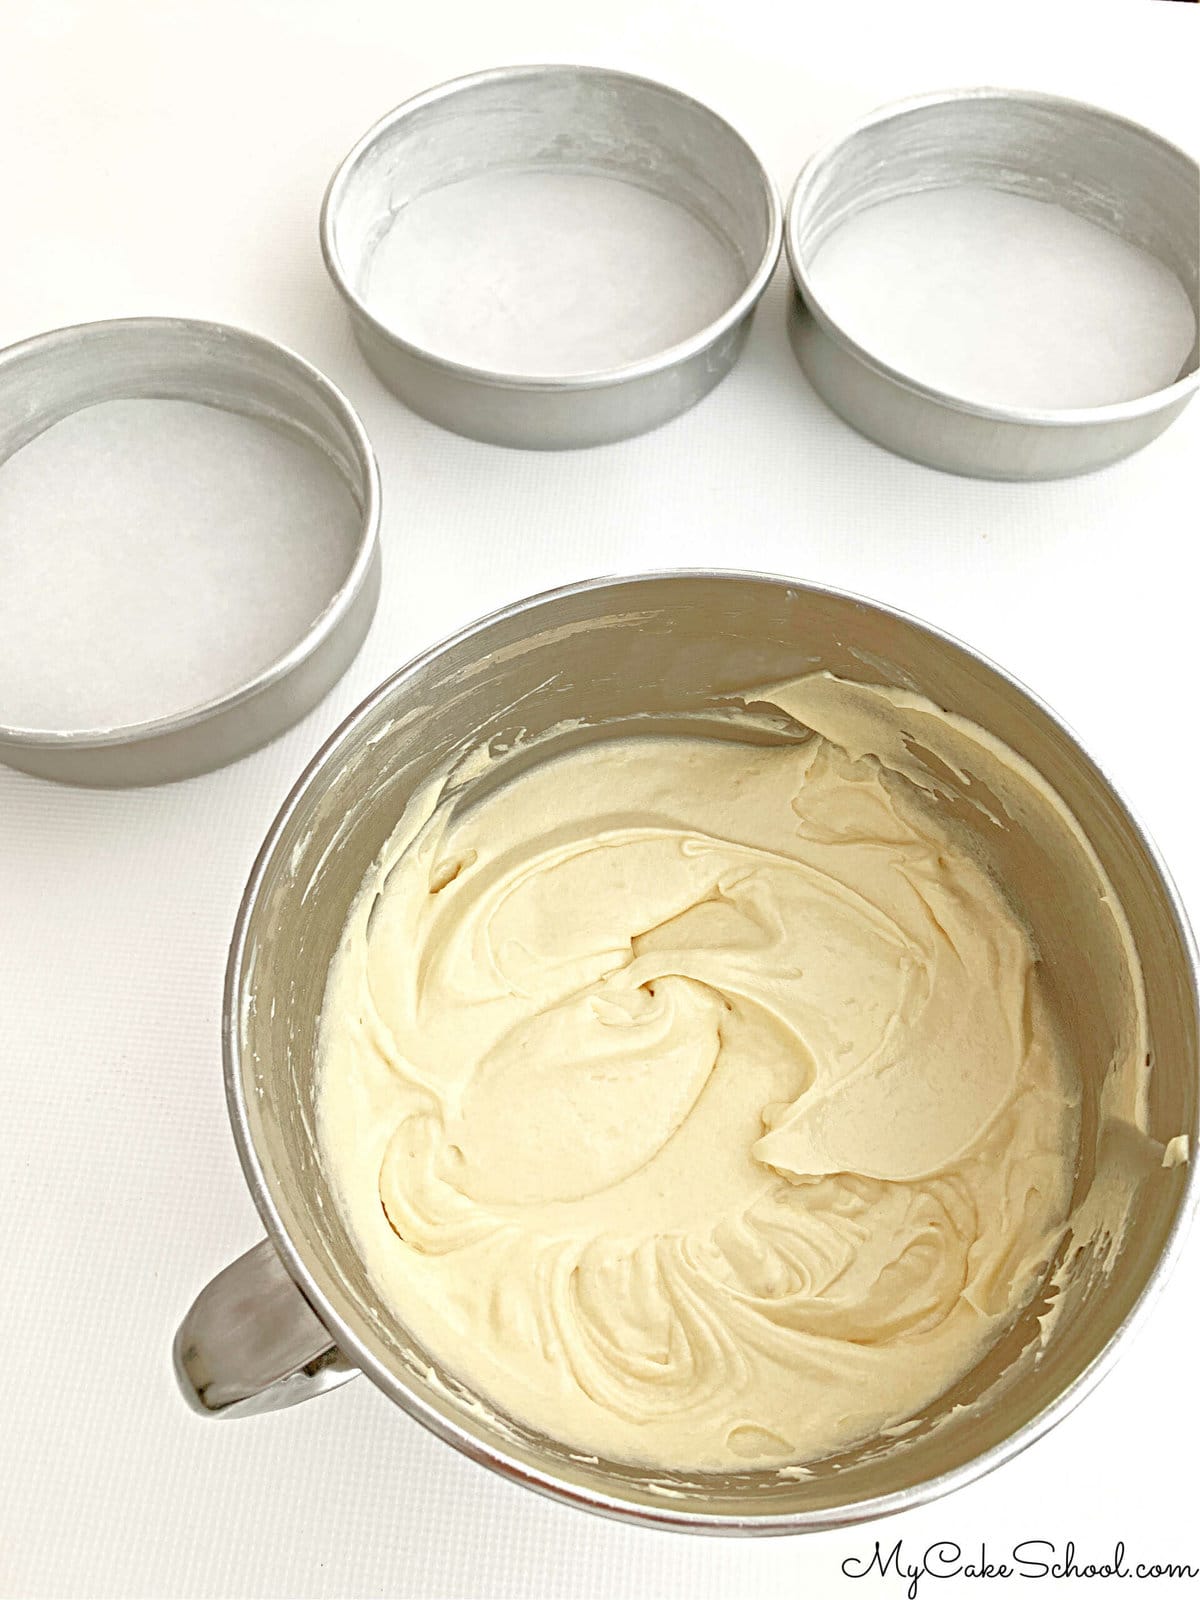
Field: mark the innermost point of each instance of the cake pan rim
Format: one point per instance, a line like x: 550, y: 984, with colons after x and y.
x: 1181, y: 389
x: 548, y: 383
x: 325, y: 627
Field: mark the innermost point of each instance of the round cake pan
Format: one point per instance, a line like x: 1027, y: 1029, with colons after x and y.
x: 704, y: 195
x: 49, y: 378
x: 1100, y: 166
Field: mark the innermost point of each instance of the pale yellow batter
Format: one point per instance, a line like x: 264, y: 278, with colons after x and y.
x: 697, y: 1101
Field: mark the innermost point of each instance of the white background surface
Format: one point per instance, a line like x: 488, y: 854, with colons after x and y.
x: 163, y: 158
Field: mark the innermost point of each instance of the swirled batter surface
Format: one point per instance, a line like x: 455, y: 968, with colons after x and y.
x: 697, y: 1101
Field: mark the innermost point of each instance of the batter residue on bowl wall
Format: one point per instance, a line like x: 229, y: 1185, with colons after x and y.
x: 699, y: 1102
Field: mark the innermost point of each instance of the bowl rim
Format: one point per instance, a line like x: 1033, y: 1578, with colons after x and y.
x: 547, y: 383
x: 341, y: 600
x: 1051, y: 417
x: 495, y: 1457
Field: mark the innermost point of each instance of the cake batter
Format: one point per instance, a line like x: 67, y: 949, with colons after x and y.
x: 694, y: 1101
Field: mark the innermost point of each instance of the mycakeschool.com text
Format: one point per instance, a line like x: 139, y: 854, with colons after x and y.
x: 1027, y: 1558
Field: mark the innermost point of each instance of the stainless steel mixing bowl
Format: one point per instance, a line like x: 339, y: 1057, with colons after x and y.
x: 297, y: 1313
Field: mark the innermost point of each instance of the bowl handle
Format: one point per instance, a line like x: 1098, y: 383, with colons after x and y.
x: 251, y: 1342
